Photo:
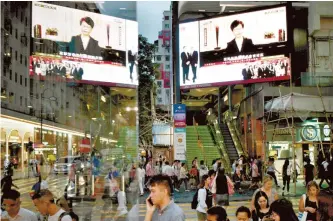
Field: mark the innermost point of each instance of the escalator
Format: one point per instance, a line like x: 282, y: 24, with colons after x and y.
x: 230, y: 146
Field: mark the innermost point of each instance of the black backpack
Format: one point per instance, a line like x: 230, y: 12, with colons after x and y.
x: 195, y: 202
x: 71, y: 214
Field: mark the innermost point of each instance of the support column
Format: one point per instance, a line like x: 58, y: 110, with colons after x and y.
x: 22, y: 154
x: 230, y: 97
x: 219, y: 105
x: 7, y: 146
x: 69, y: 145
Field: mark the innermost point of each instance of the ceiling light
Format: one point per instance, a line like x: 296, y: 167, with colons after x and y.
x: 93, y: 118
x: 122, y: 8
x: 69, y: 116
x: 29, y: 106
x: 135, y: 108
x: 128, y: 109
x: 201, y: 10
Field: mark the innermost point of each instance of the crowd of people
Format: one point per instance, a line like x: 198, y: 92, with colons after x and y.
x: 265, y: 69
x: 212, y: 188
x: 52, y: 67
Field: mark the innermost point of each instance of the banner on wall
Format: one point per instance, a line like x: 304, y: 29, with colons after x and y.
x: 179, y: 116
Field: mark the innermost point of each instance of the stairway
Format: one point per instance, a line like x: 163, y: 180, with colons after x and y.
x: 231, y: 148
x: 210, y: 150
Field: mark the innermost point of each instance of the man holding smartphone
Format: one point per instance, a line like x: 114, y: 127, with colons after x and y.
x: 159, y: 204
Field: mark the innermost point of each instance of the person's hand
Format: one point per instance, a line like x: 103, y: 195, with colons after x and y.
x: 150, y: 208
x: 188, y: 63
x: 195, y: 65
x: 310, y: 209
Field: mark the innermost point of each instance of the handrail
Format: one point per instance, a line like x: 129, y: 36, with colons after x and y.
x: 212, y: 120
x: 228, y: 118
x: 199, y: 140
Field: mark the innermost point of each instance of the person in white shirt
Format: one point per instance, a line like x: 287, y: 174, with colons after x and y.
x: 141, y: 178
x: 204, y: 203
x: 168, y: 170
x: 45, y: 204
x: 183, y: 177
x: 14, y: 212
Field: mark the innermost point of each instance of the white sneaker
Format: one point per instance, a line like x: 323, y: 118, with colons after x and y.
x: 187, y: 190
x: 176, y: 189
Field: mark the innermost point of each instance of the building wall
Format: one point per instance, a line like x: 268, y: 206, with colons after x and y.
x: 163, y: 57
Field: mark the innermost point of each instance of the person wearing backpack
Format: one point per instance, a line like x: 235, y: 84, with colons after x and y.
x: 46, y: 205
x: 204, y: 198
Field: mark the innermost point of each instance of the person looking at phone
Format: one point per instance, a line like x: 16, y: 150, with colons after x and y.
x: 12, y: 204
x: 159, y: 204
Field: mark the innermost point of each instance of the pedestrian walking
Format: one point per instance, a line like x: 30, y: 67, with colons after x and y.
x: 14, y: 211
x: 309, y: 171
x: 271, y: 170
x: 220, y: 189
x: 255, y: 175
x: 309, y: 201
x: 266, y: 188
x: 205, y: 200
x: 176, y: 169
x: 286, y: 174
x: 203, y: 170
x: 159, y: 205
x: 183, y: 177
x: 46, y: 205
x: 323, y: 172
x: 141, y: 178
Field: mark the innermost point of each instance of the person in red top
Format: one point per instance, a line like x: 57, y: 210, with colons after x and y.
x: 194, y: 174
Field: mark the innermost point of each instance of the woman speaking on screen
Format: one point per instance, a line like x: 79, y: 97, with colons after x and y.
x: 239, y: 44
x: 84, y: 43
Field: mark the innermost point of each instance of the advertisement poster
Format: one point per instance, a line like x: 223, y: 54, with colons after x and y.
x: 104, y: 48
x: 179, y: 115
x: 234, y: 49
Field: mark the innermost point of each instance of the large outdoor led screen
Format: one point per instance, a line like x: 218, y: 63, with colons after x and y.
x: 234, y: 49
x: 83, y: 46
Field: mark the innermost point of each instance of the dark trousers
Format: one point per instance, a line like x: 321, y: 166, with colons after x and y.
x: 185, y: 73
x: 194, y: 70
x: 131, y: 70
x: 286, y: 181
x: 175, y: 182
x: 274, y: 177
x: 324, y: 177
x: 181, y: 181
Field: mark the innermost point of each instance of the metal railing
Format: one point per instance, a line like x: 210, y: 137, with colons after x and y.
x: 215, y: 127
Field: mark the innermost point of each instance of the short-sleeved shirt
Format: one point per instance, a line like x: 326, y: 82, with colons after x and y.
x: 56, y: 216
x: 23, y: 215
x: 171, y: 212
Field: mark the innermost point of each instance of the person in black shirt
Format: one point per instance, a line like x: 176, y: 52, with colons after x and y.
x: 84, y: 43
x: 239, y: 44
x: 309, y: 171
x: 185, y: 57
x: 261, y: 205
x: 221, y: 191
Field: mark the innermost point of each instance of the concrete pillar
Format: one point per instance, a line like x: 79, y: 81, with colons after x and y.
x: 230, y: 97
x: 69, y: 145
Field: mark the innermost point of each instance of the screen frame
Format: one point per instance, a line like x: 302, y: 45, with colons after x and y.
x: 287, y: 50
x: 83, y: 82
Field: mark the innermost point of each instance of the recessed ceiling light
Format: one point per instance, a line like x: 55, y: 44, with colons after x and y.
x: 122, y: 8
x: 201, y: 10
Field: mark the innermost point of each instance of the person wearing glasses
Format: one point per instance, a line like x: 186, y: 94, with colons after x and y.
x: 12, y: 205
x: 46, y: 205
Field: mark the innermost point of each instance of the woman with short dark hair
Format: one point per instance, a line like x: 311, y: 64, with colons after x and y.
x: 282, y: 210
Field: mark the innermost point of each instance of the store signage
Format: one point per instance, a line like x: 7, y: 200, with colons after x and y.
x: 179, y: 138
